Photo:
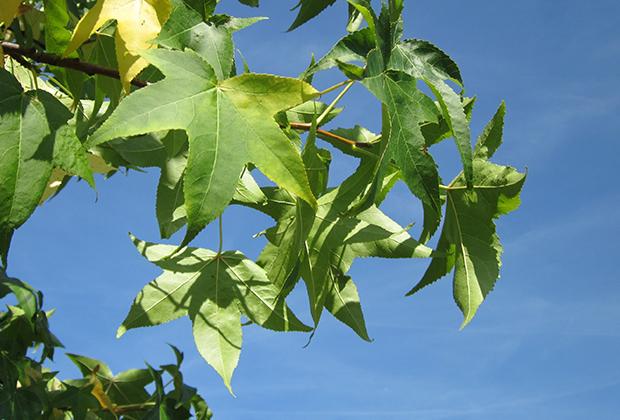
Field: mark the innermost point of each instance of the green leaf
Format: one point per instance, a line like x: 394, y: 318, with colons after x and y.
x: 251, y: 3
x: 88, y: 365
x: 424, y: 61
x: 70, y: 155
x: 405, y: 109
x: 144, y: 151
x: 364, y: 8
x: 389, y: 27
x: 248, y: 190
x: 353, y: 47
x: 125, y: 388
x: 186, y: 29
x: 57, y: 35
x: 307, y: 111
x: 317, y: 162
x: 351, y: 71
x: 336, y: 237
x: 217, y: 333
x: 343, y: 302
x: 28, y: 123
x: 309, y: 9
x: 468, y: 241
x: 422, y: 57
x: 214, y: 290
x: 358, y: 134
x: 435, y: 132
x: 491, y: 138
x: 243, y: 130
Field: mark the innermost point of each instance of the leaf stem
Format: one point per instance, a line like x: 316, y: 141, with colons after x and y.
x: 331, y: 106
x: 333, y: 88
x: 325, y: 133
x: 122, y: 409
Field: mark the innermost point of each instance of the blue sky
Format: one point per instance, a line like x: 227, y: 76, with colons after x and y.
x: 544, y: 345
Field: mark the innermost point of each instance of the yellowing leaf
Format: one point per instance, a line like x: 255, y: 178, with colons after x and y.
x: 138, y: 22
x: 99, y: 393
x: 8, y: 11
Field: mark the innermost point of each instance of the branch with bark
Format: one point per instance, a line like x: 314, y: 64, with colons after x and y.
x: 18, y: 52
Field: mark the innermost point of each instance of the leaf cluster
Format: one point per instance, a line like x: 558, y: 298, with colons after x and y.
x: 156, y: 84
x: 30, y: 390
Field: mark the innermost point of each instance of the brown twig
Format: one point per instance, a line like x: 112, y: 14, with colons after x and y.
x: 18, y: 52
x: 307, y: 127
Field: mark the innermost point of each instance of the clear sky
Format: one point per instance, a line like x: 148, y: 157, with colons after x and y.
x: 544, y: 346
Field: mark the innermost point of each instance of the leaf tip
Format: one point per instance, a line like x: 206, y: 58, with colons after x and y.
x: 121, y: 331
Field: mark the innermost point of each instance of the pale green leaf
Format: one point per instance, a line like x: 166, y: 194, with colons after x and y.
x: 242, y: 131
x: 469, y: 243
x: 214, y: 290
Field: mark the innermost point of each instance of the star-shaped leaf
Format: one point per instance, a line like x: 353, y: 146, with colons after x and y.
x: 229, y: 123
x: 320, y: 246
x: 214, y: 290
x: 121, y: 389
x: 138, y: 22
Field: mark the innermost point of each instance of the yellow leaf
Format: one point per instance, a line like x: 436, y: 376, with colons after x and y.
x: 99, y: 393
x: 137, y: 23
x: 53, y: 184
x: 8, y: 11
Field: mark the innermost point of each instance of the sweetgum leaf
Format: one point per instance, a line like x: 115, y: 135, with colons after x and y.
x: 335, y: 238
x: 229, y: 123
x: 122, y: 389
x: 214, y: 290
x: 406, y: 108
x: 469, y: 243
x: 426, y: 62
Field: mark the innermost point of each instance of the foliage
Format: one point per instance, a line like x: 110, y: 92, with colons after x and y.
x: 94, y: 87
x: 29, y: 390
